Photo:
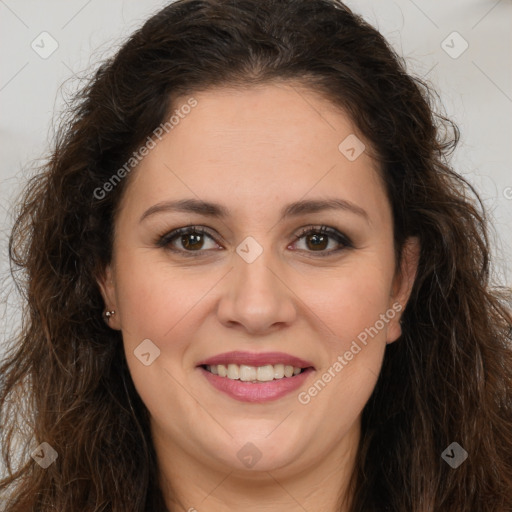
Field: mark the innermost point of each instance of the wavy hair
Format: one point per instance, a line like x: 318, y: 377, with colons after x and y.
x: 65, y: 380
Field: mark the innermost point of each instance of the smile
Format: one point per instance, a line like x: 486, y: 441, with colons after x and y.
x: 254, y: 374
x: 251, y: 377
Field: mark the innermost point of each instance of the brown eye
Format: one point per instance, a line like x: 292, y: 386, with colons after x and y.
x: 317, y: 240
x: 191, y: 238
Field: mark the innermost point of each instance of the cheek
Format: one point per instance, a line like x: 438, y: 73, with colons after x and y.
x: 363, y: 302
x: 357, y: 314
x: 351, y: 302
x: 161, y: 305
x: 166, y: 305
x: 155, y: 299
x: 334, y: 400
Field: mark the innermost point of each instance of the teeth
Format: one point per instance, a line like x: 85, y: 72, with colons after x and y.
x: 247, y: 373
x: 265, y: 373
x: 233, y: 371
x: 278, y: 371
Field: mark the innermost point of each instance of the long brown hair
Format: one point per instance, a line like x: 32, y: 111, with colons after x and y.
x: 447, y: 379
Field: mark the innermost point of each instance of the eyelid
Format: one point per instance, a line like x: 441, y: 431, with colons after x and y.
x: 325, y: 230
x: 164, y: 240
x: 342, y: 239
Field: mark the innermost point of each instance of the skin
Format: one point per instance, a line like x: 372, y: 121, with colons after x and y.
x: 255, y: 151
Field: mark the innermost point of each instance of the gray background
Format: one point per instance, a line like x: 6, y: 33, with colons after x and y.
x: 475, y: 87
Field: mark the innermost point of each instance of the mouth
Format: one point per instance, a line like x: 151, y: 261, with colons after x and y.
x: 251, y: 377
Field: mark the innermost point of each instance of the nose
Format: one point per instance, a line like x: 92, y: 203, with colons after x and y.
x: 256, y: 298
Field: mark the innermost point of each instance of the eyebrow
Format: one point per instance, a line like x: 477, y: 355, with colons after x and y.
x: 219, y: 211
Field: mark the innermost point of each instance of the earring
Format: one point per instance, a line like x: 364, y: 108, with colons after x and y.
x: 108, y: 314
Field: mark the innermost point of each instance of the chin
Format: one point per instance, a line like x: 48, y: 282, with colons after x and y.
x: 261, y: 450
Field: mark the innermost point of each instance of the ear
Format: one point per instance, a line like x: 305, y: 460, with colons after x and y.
x: 108, y: 292
x: 402, y: 285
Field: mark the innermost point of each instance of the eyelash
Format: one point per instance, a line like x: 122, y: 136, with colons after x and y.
x: 165, y: 240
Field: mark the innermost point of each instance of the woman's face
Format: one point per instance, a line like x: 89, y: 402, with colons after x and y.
x: 253, y: 294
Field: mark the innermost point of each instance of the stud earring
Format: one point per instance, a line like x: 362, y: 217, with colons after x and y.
x: 108, y: 314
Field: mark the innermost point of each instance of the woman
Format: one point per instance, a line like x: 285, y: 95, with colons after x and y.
x: 253, y: 281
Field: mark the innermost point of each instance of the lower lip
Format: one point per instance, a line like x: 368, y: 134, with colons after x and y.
x: 256, y: 392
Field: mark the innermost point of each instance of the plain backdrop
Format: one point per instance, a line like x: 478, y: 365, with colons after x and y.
x: 462, y: 47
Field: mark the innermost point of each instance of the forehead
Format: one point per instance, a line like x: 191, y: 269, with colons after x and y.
x: 258, y: 146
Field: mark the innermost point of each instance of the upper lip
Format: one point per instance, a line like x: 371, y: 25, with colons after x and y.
x: 256, y: 359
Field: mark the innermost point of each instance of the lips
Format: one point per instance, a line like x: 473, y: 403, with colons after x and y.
x: 255, y: 359
x: 252, y: 385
